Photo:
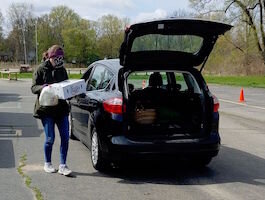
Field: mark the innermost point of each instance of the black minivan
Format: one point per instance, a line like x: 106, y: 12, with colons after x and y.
x: 152, y: 101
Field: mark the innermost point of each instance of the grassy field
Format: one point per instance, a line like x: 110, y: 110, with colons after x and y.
x: 242, y: 81
x: 29, y: 75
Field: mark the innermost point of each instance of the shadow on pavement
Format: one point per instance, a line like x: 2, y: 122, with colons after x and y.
x: 7, y: 158
x: 10, y: 125
x: 7, y: 97
x: 230, y: 166
x: 20, y: 121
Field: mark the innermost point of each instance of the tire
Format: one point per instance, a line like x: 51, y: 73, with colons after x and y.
x: 202, y: 161
x: 72, y: 136
x: 98, y: 162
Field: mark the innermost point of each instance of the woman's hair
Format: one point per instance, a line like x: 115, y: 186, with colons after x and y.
x: 44, y: 55
x: 55, y: 51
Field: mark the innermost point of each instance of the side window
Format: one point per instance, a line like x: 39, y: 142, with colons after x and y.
x: 96, y: 78
x: 99, y: 79
x: 140, y: 80
x: 187, y: 82
x: 87, y: 74
x: 181, y: 81
x: 106, y: 80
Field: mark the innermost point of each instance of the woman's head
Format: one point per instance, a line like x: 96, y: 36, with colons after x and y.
x: 44, y: 56
x: 56, y: 55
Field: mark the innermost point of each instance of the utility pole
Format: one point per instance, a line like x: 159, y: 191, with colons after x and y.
x: 36, y: 41
x: 24, y: 43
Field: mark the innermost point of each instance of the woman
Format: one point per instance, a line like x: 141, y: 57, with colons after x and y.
x: 52, y: 71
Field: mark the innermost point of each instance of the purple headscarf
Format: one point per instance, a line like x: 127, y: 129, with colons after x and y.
x: 58, y: 53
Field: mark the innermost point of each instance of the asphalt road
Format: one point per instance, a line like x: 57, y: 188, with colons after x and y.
x: 237, y: 173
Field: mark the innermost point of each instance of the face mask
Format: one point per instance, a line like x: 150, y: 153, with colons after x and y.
x: 58, y: 61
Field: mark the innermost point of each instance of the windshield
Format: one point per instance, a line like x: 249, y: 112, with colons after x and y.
x: 158, y: 42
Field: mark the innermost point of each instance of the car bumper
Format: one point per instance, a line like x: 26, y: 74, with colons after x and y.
x: 120, y: 147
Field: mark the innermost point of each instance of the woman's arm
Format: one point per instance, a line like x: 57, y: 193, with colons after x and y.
x: 37, y: 82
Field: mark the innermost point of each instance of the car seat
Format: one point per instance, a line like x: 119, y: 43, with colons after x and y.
x: 155, y: 80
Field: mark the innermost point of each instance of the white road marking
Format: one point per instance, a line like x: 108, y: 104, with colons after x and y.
x: 242, y: 104
x: 18, y: 97
x: 5, y: 107
x: 7, y: 132
x: 256, y: 94
x: 28, y: 96
x: 18, y: 106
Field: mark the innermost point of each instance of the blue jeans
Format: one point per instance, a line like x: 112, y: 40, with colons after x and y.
x: 63, y: 127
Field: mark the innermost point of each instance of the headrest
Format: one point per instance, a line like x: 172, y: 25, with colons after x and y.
x: 155, y: 80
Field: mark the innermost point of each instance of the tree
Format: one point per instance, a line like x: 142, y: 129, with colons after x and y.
x: 246, y: 13
x: 20, y: 18
x: 1, y: 32
x: 80, y: 43
x: 1, y: 22
x: 111, y: 35
x: 181, y: 13
x: 60, y: 18
x: 45, y: 35
x: 83, y: 41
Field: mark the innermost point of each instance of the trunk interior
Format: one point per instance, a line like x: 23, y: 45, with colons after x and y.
x: 170, y: 111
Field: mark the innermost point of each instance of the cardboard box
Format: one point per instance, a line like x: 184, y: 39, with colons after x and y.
x: 69, y: 88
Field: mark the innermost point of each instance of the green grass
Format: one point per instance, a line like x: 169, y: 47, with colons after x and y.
x: 242, y: 81
x: 143, y: 76
x: 27, y: 179
x: 29, y: 75
x: 75, y: 76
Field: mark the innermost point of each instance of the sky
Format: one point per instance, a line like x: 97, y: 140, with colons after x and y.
x: 135, y: 10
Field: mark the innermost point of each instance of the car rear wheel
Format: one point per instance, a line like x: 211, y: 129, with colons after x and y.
x: 98, y: 162
x: 202, y: 161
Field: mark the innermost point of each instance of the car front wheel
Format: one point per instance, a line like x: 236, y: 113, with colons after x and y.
x: 71, y: 126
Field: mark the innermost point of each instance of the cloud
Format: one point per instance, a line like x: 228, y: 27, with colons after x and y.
x: 111, y: 3
x: 92, y: 8
x: 145, y: 16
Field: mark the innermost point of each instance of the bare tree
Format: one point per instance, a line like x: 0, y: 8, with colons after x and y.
x: 243, y: 13
x: 111, y: 35
x: 21, y: 18
x: 181, y: 13
x: 1, y: 28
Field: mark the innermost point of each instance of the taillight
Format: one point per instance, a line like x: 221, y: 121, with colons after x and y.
x: 216, y: 104
x: 113, y: 105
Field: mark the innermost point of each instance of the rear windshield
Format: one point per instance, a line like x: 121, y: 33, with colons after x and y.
x: 158, y: 42
x: 181, y: 81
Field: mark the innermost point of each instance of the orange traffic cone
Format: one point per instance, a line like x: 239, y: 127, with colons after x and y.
x: 241, y: 98
x: 143, y: 84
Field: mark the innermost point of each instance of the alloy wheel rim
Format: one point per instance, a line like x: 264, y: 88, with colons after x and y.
x: 94, y: 148
x: 70, y: 124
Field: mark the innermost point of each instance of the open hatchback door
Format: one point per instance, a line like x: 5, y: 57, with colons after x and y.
x: 169, y: 44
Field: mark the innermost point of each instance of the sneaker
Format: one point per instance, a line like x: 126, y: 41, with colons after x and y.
x: 63, y: 169
x: 49, y: 168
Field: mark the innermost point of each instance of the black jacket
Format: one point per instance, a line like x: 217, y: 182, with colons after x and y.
x: 47, y: 74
